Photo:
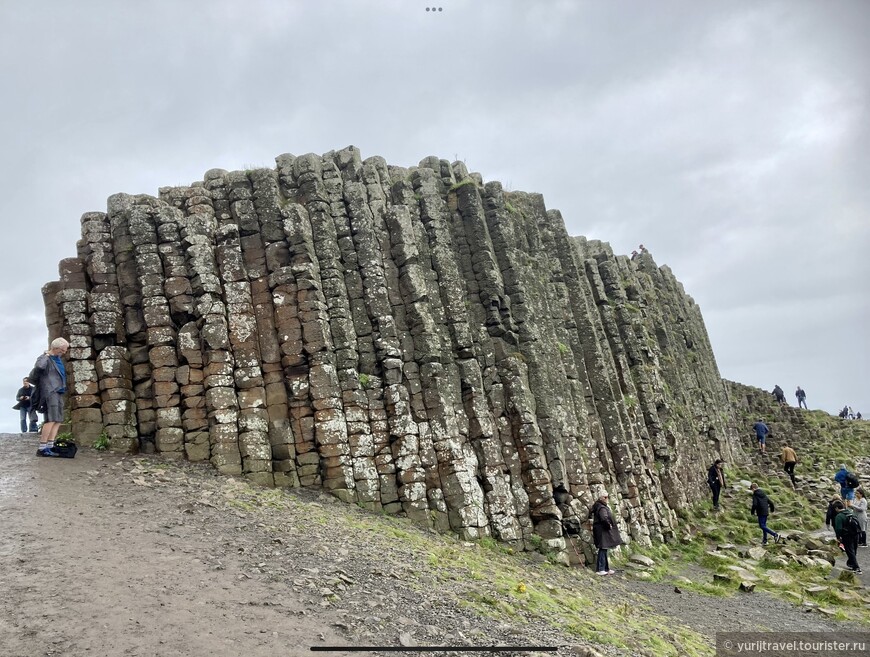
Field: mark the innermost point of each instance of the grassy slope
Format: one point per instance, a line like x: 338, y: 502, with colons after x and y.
x: 822, y: 442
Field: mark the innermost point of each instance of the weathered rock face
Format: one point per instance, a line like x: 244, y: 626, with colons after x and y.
x: 413, y: 340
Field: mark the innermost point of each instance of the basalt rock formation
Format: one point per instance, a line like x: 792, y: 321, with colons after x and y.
x: 411, y: 339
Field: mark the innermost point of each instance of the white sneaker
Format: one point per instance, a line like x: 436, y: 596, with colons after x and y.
x: 611, y: 572
x: 601, y: 572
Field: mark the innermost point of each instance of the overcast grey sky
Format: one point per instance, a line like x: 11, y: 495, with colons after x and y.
x: 731, y: 138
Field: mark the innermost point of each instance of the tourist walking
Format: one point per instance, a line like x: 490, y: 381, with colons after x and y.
x: 789, y: 460
x: 779, y: 394
x: 762, y: 431
x: 762, y: 506
x: 833, y: 508
x: 801, y: 397
x: 848, y: 482
x: 859, y: 508
x: 716, y: 481
x: 847, y: 529
x: 604, y: 533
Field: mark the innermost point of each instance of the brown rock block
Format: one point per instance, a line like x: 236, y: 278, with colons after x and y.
x: 85, y: 402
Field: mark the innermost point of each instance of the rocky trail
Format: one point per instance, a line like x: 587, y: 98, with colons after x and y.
x: 136, y: 556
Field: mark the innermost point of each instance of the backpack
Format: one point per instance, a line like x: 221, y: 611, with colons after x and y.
x: 851, y: 526
x: 852, y: 480
x: 37, y: 403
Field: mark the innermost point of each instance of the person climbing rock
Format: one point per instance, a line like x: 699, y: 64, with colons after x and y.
x: 779, y: 394
x: 789, y: 460
x: 762, y: 507
x: 762, y: 431
x: 716, y: 481
x: 801, y: 397
x: 848, y: 530
x: 604, y: 532
x: 848, y: 482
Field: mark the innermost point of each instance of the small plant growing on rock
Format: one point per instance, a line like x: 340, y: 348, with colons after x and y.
x: 563, y: 348
x: 364, y: 381
x: 101, y: 444
x: 64, y: 439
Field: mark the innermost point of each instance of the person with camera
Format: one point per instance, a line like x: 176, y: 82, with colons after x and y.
x: 25, y: 408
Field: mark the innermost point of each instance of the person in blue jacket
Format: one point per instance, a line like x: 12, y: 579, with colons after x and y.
x: 846, y: 479
x: 762, y: 431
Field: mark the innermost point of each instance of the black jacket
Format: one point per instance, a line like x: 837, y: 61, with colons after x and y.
x: 761, y: 504
x: 604, y: 530
x: 25, y: 392
x: 713, y: 477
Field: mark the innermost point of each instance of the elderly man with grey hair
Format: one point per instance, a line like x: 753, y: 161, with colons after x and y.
x: 52, y: 387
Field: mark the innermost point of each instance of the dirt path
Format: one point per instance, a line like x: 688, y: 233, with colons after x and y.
x: 97, y: 570
x: 139, y: 556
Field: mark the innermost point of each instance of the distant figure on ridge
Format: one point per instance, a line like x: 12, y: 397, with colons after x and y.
x: 801, y: 397
x: 634, y: 254
x: 716, y: 481
x: 779, y: 394
x: 762, y: 431
x: 762, y: 507
x: 848, y: 482
x: 789, y: 460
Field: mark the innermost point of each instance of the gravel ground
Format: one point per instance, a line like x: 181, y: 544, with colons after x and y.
x: 110, y: 555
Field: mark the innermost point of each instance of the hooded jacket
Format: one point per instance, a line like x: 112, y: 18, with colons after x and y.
x: 761, y: 504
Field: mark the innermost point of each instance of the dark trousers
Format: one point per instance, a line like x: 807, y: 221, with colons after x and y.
x: 851, y: 545
x: 789, y: 470
x: 602, y: 561
x: 716, y: 488
x: 862, y: 540
x: 802, y: 402
x: 762, y: 522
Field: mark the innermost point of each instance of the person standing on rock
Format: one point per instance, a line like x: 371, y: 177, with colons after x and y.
x: 762, y: 431
x: 789, y: 460
x: 716, y: 481
x: 801, y: 397
x: 859, y: 508
x: 779, y: 393
x: 604, y: 532
x: 846, y: 528
x: 762, y: 507
x: 25, y: 407
x: 52, y: 387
